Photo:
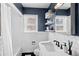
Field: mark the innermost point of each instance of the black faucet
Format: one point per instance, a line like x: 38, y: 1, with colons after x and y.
x: 61, y: 46
x: 70, y: 45
x: 58, y: 44
x: 64, y: 43
x: 55, y: 41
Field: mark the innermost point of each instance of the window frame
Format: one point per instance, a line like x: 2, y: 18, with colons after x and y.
x: 25, y: 25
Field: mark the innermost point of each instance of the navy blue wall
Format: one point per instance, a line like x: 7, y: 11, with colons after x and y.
x: 77, y: 21
x: 77, y: 18
x: 62, y: 12
x: 52, y: 7
x: 59, y: 11
x: 41, y: 13
x: 19, y: 6
x: 41, y: 16
x: 68, y: 11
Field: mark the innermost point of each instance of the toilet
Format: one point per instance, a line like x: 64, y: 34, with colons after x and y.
x: 36, y: 52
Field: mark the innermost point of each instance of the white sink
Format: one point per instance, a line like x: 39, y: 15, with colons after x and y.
x: 48, y: 48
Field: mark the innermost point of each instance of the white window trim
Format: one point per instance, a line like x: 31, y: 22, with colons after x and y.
x: 36, y: 23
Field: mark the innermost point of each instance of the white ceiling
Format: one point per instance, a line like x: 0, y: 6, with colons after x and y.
x: 65, y: 6
x: 36, y: 5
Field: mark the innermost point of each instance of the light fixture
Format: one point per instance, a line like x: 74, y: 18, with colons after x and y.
x: 58, y: 5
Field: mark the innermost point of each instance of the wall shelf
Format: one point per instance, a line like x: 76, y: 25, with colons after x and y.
x: 49, y: 16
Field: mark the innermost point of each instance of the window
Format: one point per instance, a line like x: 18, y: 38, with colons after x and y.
x: 60, y: 23
x: 30, y: 23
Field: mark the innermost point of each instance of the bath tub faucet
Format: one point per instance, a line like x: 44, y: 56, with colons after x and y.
x: 57, y: 43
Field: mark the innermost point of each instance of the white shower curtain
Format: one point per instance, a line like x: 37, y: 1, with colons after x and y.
x: 6, y: 29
